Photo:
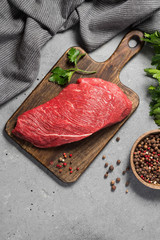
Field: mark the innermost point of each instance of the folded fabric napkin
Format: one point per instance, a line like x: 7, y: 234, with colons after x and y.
x: 26, y: 25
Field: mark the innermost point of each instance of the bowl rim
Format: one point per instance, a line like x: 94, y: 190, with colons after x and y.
x: 150, y: 185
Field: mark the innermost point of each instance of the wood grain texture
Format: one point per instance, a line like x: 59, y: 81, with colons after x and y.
x: 150, y: 185
x: 86, y: 150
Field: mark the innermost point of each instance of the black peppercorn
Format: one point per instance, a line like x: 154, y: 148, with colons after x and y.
x: 111, y: 168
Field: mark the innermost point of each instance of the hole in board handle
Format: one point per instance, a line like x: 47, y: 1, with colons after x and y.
x: 134, y: 41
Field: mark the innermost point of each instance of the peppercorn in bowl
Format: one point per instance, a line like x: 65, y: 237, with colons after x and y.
x: 145, y: 159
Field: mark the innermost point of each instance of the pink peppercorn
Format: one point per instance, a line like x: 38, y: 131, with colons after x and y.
x: 58, y: 166
x: 70, y: 155
x: 64, y: 154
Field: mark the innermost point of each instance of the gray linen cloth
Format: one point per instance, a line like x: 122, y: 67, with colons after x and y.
x: 26, y: 25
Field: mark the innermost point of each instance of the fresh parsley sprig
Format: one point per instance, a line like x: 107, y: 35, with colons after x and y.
x: 154, y: 91
x: 63, y: 76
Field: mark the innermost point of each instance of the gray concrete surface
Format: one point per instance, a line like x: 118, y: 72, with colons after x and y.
x: 35, y: 205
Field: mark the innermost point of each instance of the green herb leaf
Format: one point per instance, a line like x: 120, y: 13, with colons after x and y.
x: 155, y: 73
x: 153, y: 38
x: 157, y: 121
x: 156, y: 49
x: 156, y: 110
x: 59, y: 71
x: 154, y: 91
x: 73, y: 55
x: 155, y: 95
x: 60, y: 76
x: 57, y: 79
x: 156, y: 60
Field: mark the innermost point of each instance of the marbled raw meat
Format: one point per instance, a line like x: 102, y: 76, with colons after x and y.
x: 78, y: 111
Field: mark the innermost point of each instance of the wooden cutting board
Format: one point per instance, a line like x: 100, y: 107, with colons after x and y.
x: 84, y: 151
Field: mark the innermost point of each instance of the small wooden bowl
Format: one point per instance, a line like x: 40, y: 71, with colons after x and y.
x: 151, y: 185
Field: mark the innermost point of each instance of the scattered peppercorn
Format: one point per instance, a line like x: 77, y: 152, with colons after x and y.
x: 123, y: 172
x: 61, y: 159
x: 60, y: 170
x: 113, y: 188
x: 103, y: 157
x: 106, y: 165
x: 105, y: 175
x: 126, y: 191
x: 58, y: 166
x: 117, y: 139
x: 112, y: 182
x: 70, y: 162
x: 118, y: 180
x: 118, y: 162
x: 146, y: 158
x: 111, y: 168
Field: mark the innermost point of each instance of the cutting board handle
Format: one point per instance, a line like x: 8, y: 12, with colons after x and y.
x: 125, y: 51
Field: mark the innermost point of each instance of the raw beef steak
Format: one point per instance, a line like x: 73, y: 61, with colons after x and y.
x: 77, y: 112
